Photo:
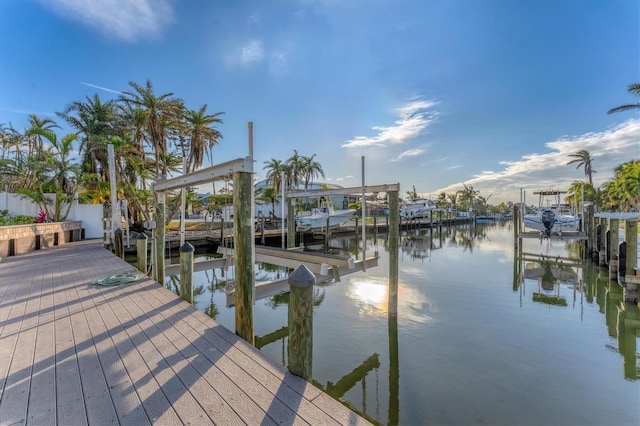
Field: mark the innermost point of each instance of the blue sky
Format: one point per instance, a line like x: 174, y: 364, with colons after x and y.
x: 491, y: 93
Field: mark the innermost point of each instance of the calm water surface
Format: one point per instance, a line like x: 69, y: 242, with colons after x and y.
x: 482, y: 336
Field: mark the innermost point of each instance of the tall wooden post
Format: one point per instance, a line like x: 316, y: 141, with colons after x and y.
x: 394, y: 359
x: 589, y: 228
x: 291, y: 224
x: 631, y: 282
x: 614, y: 233
x: 244, y: 244
x: 394, y: 237
x: 602, y: 261
x: 301, y: 282
x: 160, y: 236
x: 117, y: 243
x: 141, y: 252
x: 186, y: 272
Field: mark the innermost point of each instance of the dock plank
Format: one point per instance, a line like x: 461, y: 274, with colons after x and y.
x: 73, y: 352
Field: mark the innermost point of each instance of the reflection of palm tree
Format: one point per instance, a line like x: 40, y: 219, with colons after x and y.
x: 583, y: 158
x: 634, y: 89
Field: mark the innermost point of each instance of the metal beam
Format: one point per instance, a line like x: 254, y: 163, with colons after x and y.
x: 207, y: 175
x: 344, y: 191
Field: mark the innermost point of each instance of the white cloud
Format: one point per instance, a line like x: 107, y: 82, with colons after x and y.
x: 409, y: 153
x: 251, y: 52
x: 608, y: 149
x: 414, y: 118
x: 129, y: 20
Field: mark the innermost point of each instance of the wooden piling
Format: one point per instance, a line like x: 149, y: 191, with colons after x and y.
x: 291, y: 224
x: 244, y: 243
x: 301, y: 282
x: 186, y: 272
x: 631, y: 283
x: 602, y: 260
x: 141, y: 252
x: 118, y: 248
x: 160, y: 236
x: 394, y: 237
x: 612, y: 256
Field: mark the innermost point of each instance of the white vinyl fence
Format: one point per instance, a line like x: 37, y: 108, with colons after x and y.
x: 89, y: 214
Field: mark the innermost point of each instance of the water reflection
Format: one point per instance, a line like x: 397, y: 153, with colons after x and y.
x: 406, y: 347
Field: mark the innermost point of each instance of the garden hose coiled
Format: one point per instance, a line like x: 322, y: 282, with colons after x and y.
x: 120, y: 278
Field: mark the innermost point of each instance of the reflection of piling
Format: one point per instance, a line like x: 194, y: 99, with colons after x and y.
x: 141, y: 252
x: 301, y: 282
x: 186, y: 272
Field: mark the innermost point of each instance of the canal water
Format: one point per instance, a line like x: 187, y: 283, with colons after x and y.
x: 483, y: 334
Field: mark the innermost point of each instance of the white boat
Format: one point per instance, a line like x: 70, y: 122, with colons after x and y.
x: 318, y: 217
x: 556, y: 217
x: 420, y: 208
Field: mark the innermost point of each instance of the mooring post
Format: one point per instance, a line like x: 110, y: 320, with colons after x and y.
x: 186, y: 272
x: 291, y: 224
x: 516, y: 225
x: 394, y: 237
x: 631, y: 265
x: 243, y: 244
x: 589, y: 228
x: 117, y: 243
x: 301, y: 282
x: 160, y: 240
x: 614, y: 232
x: 602, y: 257
x: 141, y: 252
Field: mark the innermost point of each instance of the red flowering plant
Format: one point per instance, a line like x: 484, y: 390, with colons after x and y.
x: 42, y: 217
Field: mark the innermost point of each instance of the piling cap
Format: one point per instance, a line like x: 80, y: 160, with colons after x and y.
x: 302, y: 277
x: 141, y: 236
x: 186, y: 248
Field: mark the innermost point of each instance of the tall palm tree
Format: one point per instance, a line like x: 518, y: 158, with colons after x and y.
x: 583, y: 158
x: 634, y: 89
x: 293, y: 170
x: 310, y: 169
x: 161, y: 115
x: 95, y: 122
x: 413, y: 194
x: 202, y: 134
x: 275, y: 170
x: 468, y: 195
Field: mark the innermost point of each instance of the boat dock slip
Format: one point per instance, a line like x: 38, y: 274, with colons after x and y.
x: 73, y: 352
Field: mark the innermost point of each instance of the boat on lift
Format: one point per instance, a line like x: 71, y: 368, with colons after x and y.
x: 552, y: 218
x: 319, y: 217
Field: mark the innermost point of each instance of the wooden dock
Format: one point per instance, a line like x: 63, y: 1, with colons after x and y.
x: 73, y: 352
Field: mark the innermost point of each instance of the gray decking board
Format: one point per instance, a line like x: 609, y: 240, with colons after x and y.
x: 72, y: 352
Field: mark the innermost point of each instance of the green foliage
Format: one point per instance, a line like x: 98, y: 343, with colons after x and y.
x: 6, y: 220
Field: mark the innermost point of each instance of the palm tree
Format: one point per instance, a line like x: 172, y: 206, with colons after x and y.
x: 275, y: 170
x: 467, y: 195
x: 95, y: 122
x: 161, y: 116
x: 202, y: 134
x: 294, y: 165
x: 56, y: 174
x: 413, y: 194
x: 634, y: 89
x: 583, y: 158
x: 310, y: 169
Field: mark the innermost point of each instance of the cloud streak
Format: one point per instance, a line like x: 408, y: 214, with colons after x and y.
x: 128, y: 21
x: 608, y: 149
x: 101, y: 88
x: 413, y: 119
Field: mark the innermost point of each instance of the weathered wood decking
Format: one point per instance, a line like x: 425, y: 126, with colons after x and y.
x: 72, y: 352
